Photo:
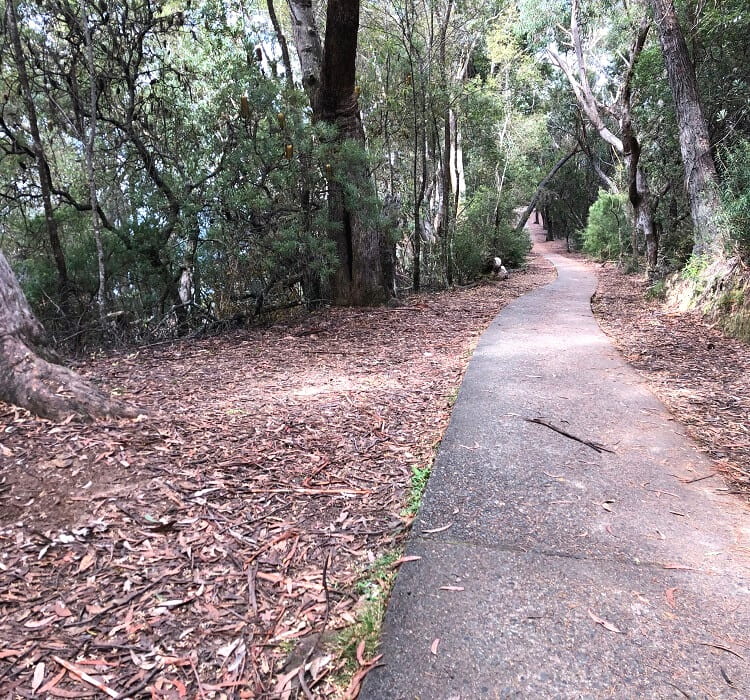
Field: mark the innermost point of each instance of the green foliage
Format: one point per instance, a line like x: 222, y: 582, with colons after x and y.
x: 485, y: 231
x: 373, y: 587
x: 417, y: 486
x: 736, y: 194
x: 607, y: 232
x: 695, y: 269
x: 196, y: 169
x: 658, y: 290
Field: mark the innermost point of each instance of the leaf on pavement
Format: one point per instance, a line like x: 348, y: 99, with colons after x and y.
x: 404, y: 560
x: 601, y: 621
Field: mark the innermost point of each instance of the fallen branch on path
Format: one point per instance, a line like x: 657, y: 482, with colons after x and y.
x: 593, y: 445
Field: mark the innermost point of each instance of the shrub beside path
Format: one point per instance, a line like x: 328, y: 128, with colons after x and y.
x: 581, y: 556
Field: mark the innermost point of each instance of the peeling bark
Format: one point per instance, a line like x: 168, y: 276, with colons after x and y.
x: 30, y: 376
x: 308, y: 46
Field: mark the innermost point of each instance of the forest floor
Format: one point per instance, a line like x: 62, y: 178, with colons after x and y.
x: 201, y: 550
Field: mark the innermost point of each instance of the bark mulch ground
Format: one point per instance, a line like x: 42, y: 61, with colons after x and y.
x: 191, y: 553
x: 701, y: 375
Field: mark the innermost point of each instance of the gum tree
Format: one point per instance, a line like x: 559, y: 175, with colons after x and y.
x: 30, y: 373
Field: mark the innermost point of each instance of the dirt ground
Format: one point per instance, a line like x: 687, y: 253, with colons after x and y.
x: 200, y: 550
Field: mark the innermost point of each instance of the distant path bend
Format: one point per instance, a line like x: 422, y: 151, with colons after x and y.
x: 583, y: 574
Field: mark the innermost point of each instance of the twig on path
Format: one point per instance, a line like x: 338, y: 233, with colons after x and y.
x: 111, y: 608
x: 19, y: 658
x: 132, y: 692
x: 593, y: 445
x: 197, y: 678
x: 699, y: 478
x: 723, y: 648
x: 252, y: 597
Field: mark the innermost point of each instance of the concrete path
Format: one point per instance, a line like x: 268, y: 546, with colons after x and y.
x: 555, y: 571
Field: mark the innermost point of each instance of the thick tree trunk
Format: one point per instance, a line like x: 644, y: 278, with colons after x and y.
x: 29, y: 374
x: 700, y: 170
x: 362, y: 275
x: 640, y: 197
x: 639, y: 193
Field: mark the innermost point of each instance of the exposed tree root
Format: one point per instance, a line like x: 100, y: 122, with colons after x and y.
x: 50, y: 390
x: 30, y: 374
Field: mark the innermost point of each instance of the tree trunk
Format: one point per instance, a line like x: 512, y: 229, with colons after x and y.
x: 444, y: 232
x: 627, y: 145
x: 45, y: 180
x: 29, y: 374
x: 309, y: 48
x: 700, y: 170
x: 90, y: 142
x: 638, y: 190
x: 362, y: 275
x: 446, y: 200
x: 640, y: 198
x: 289, y: 77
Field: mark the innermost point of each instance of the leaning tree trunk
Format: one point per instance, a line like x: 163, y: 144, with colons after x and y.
x: 540, y: 188
x: 45, y: 178
x: 701, y: 180
x: 30, y: 376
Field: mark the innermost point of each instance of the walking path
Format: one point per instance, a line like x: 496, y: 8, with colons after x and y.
x: 551, y: 570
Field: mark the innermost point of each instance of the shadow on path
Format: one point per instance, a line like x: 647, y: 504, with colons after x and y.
x: 564, y: 572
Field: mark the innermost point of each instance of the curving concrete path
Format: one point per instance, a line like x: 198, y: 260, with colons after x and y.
x: 581, y: 574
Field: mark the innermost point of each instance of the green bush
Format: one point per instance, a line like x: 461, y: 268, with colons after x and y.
x: 736, y: 194
x: 607, y: 232
x: 485, y: 231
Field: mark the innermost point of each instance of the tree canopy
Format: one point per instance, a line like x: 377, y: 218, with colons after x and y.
x: 166, y: 167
